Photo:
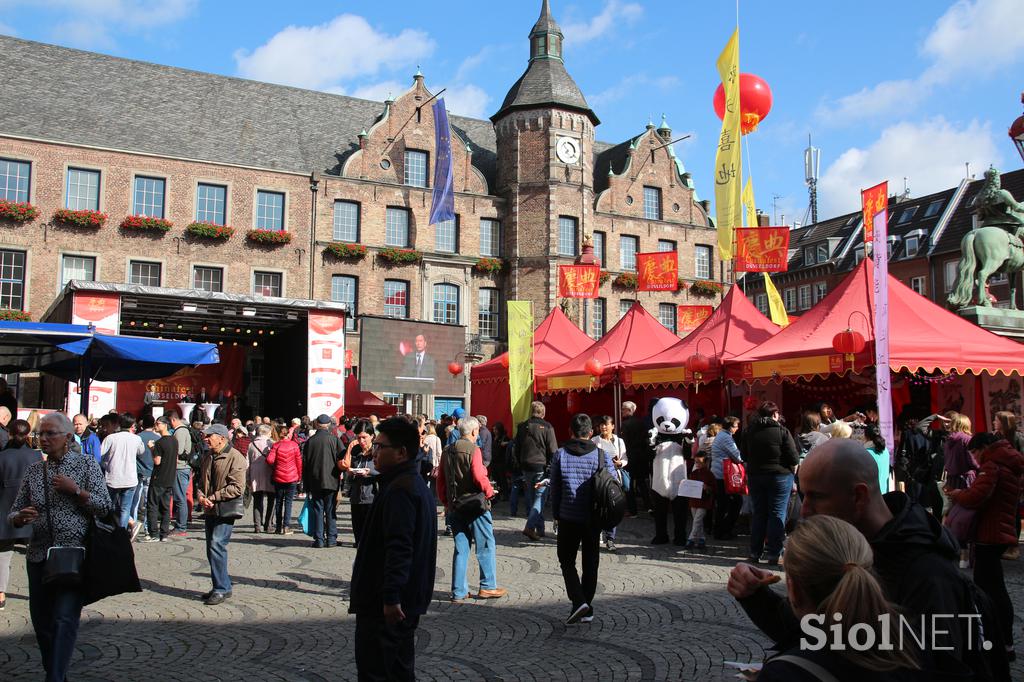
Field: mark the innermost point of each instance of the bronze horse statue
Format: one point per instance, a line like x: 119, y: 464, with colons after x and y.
x: 994, y: 247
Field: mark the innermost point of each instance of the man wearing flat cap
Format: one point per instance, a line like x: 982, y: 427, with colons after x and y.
x: 321, y: 454
x: 221, y: 481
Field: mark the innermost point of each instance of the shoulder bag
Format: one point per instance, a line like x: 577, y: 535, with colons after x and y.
x: 109, y: 561
x: 230, y: 509
x: 468, y: 506
x: 63, y: 565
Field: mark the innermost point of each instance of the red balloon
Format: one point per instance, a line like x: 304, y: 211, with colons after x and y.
x: 455, y: 368
x: 504, y: 360
x: 593, y: 367
x: 755, y: 101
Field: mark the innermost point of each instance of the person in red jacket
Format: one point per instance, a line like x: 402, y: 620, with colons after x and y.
x: 994, y: 494
x: 285, y: 457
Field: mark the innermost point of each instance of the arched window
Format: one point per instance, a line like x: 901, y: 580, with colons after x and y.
x: 446, y: 303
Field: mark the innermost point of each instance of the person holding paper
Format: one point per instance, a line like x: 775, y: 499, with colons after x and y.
x: 613, y: 446
x: 702, y: 505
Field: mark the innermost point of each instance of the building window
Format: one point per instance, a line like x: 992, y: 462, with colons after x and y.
x: 446, y: 236
x: 396, y: 228
x: 820, y: 291
x: 567, y: 236
x: 346, y: 221
x: 822, y: 253
x: 415, y: 168
x: 490, y: 238
x: 933, y: 208
x: 652, y: 203
x: 269, y: 211
x: 12, y: 280
x: 205, y: 278
x: 600, y: 311
x: 624, y: 306
x: 446, y: 303
x: 489, y: 315
x: 805, y: 296
x: 702, y: 267
x: 83, y: 190
x: 211, y: 201
x: 144, y: 272
x: 913, y: 245
x: 666, y: 245
x: 599, y: 248
x: 396, y: 298
x: 917, y: 284
x: 789, y: 298
x: 14, y: 180
x: 77, y: 267
x: 149, y: 197
x: 345, y: 289
x: 891, y: 247
x: 266, y: 283
x: 761, y: 301
x: 395, y: 399
x: 907, y: 215
x: 808, y: 256
x: 628, y: 246
x: 667, y: 316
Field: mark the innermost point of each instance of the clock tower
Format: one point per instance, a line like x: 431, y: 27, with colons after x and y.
x: 545, y: 144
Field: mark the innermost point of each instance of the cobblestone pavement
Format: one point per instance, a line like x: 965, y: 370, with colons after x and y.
x: 662, y: 614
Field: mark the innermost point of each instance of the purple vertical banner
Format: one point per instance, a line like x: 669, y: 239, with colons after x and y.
x: 442, y: 204
x: 883, y: 379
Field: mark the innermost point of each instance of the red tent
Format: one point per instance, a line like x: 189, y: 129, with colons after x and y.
x: 636, y: 336
x: 735, y: 327
x: 359, y: 403
x: 922, y: 335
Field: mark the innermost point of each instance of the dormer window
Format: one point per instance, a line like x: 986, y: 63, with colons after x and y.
x: 822, y: 253
x: 540, y: 44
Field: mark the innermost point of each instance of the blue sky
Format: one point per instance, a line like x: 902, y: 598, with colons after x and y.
x: 912, y: 89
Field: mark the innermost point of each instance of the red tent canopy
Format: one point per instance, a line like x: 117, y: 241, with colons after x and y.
x: 636, y: 336
x: 922, y: 335
x: 735, y: 327
x: 359, y: 403
x: 555, y: 341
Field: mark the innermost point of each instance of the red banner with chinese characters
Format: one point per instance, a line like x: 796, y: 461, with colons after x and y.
x: 579, y: 281
x: 874, y: 202
x: 689, y: 317
x: 762, y: 249
x: 657, y: 271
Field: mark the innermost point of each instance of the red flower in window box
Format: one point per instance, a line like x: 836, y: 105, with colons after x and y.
x: 14, y: 315
x: 341, y: 250
x: 626, y: 280
x: 269, y: 236
x: 605, y: 276
x: 489, y: 265
x: 706, y: 288
x: 18, y: 211
x: 400, y: 256
x: 82, y: 218
x: 209, y: 230
x: 143, y: 223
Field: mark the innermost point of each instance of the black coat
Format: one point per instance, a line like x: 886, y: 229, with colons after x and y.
x: 14, y: 462
x: 397, y: 557
x: 769, y: 448
x: 639, y: 451
x: 535, y: 444
x: 320, y: 455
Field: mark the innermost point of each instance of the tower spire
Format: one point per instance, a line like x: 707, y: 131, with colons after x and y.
x: 546, y: 36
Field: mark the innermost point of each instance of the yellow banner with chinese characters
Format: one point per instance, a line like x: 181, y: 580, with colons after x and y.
x: 775, y: 305
x: 520, y: 359
x: 749, y: 207
x: 728, y: 160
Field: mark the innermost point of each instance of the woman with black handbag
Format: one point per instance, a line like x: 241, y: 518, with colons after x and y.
x: 59, y: 498
x: 221, y: 484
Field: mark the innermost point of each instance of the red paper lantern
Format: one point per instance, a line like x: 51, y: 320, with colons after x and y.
x: 698, y: 364
x: 504, y: 360
x: 455, y: 368
x: 849, y: 343
x: 593, y: 367
x: 755, y: 102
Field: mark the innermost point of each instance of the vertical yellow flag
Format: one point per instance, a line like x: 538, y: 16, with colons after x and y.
x: 728, y: 161
x: 748, y: 203
x: 775, y: 304
x: 520, y: 360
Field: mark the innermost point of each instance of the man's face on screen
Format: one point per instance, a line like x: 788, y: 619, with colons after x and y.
x: 421, y: 343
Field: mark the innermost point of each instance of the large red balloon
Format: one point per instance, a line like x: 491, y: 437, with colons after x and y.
x: 755, y: 101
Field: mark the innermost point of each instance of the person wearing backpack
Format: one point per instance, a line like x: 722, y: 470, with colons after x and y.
x: 572, y: 502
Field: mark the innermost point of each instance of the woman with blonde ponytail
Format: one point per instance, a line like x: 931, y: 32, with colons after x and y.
x: 829, y: 577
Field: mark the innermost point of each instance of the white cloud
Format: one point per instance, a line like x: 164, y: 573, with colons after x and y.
x: 872, y: 102
x: 83, y: 33
x: 614, y: 12
x: 379, y: 92
x: 94, y: 23
x: 470, y: 63
x: 466, y: 100
x: 930, y: 154
x: 628, y: 85
x: 7, y: 30
x: 325, y: 56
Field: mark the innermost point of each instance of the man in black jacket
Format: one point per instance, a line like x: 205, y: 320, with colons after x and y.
x: 914, y: 560
x: 637, y: 438
x: 393, y: 574
x: 535, y: 445
x: 320, y: 456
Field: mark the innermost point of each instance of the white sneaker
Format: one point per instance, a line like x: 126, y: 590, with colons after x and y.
x: 581, y: 612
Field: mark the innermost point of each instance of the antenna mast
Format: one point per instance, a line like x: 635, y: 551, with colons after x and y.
x: 812, y: 164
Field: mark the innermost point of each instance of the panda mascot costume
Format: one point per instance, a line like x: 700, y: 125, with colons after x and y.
x: 672, y: 442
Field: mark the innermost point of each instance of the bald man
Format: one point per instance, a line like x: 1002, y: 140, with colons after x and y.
x: 915, y: 560
x: 5, y: 419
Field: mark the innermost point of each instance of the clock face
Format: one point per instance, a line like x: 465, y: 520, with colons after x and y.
x: 568, y: 150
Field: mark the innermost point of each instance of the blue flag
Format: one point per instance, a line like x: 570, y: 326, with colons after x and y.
x: 442, y: 205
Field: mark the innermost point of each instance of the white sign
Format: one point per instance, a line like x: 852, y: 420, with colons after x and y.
x: 691, y: 488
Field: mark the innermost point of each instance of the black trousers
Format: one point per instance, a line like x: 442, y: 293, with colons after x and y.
x: 359, y: 514
x: 727, y: 510
x: 385, y: 652
x: 680, y: 517
x: 158, y: 509
x: 262, y: 509
x: 988, y: 575
x: 572, y: 535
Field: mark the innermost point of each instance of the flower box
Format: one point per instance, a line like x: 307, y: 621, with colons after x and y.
x: 14, y: 315
x: 625, y: 280
x: 489, y: 265
x: 683, y: 284
x: 604, y: 277
x: 83, y: 218
x: 706, y: 288
x: 269, y: 236
x: 209, y: 230
x: 343, y: 250
x: 18, y: 211
x: 400, y: 256
x: 143, y: 223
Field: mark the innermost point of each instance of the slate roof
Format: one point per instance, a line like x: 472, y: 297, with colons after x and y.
x: 545, y: 83
x: 961, y: 222
x: 545, y: 22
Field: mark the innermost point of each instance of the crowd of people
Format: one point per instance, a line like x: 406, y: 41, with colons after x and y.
x: 881, y: 533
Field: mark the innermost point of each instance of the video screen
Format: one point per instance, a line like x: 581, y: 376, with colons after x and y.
x: 406, y: 356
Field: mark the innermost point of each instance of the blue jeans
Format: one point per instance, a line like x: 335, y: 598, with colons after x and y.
x: 769, y: 497
x: 515, y: 489
x: 322, y: 506
x: 284, y: 496
x: 55, y: 614
x: 481, y: 533
x: 535, y: 500
x: 180, y: 493
x: 141, y: 494
x: 121, y: 499
x: 218, y: 532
